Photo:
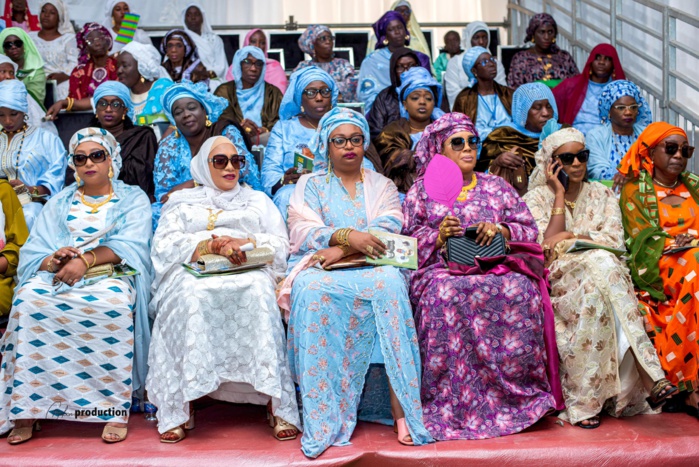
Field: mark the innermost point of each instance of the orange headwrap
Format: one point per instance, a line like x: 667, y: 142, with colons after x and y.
x: 638, y: 156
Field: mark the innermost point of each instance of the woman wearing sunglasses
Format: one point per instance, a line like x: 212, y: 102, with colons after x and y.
x: 593, y: 299
x: 17, y: 45
x: 216, y: 336
x: 341, y: 321
x: 76, y: 345
x: 659, y: 206
x: 252, y: 102
x: 477, y: 381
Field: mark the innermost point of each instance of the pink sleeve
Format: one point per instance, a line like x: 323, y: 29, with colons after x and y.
x: 275, y: 75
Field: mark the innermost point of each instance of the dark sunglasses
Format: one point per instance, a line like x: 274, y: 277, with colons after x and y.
x: 19, y: 43
x: 220, y: 161
x: 116, y: 105
x: 96, y: 157
x: 311, y: 92
x: 340, y: 142
x: 249, y: 63
x: 672, y: 148
x: 459, y: 143
x: 567, y: 158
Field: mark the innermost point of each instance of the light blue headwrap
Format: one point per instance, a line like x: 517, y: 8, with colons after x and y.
x: 250, y: 100
x: 114, y: 89
x: 331, y: 120
x: 615, y: 91
x: 469, y: 61
x: 13, y: 95
x: 291, y: 103
x: 419, y: 78
x: 213, y: 105
x: 523, y: 99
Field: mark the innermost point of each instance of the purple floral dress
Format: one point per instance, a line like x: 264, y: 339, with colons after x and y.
x: 481, y: 336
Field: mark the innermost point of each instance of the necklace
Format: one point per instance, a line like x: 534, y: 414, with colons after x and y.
x: 24, y: 127
x: 213, y: 217
x: 19, y: 150
x: 416, y: 130
x: 315, y: 127
x: 571, y: 204
x: 546, y: 66
x: 677, y: 182
x: 465, y: 189
x: 95, y: 206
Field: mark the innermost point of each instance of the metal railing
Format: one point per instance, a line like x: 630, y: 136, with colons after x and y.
x: 582, y: 24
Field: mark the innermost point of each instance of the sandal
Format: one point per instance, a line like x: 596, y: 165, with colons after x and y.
x: 593, y: 422
x: 180, y: 430
x: 400, y: 427
x: 25, y: 433
x: 280, y: 425
x: 119, y: 431
x: 660, y: 393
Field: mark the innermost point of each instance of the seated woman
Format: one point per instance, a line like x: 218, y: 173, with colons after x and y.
x: 208, y: 44
x: 544, y: 62
x: 452, y: 48
x: 335, y: 332
x: 13, y: 235
x: 593, y: 299
x: 274, y: 73
x: 412, y: 26
x: 251, y: 101
x: 386, y: 108
x: 624, y: 114
x: 509, y: 151
x: 577, y: 97
x: 31, y: 159
x: 318, y: 42
x: 56, y: 44
x: 138, y: 68
x: 477, y: 380
x: 17, y: 45
x: 114, y: 11
x: 92, y: 357
x: 195, y: 113
x: 658, y: 206
x: 486, y: 102
x: 181, y: 58
x: 17, y: 15
x: 239, y: 318
x: 420, y: 95
x: 375, y: 74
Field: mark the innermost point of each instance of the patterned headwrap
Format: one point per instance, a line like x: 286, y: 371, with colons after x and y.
x: 638, y: 157
x: 101, y: 137
x: 81, y: 39
x: 64, y: 24
x: 213, y: 105
x: 436, y: 134
x: 536, y: 22
x: 309, y: 36
x: 381, y: 25
x: 331, y: 120
x: 615, y: 91
x: 291, y: 103
x: 522, y: 101
x: 114, y: 89
x: 190, y: 49
x: 418, y: 78
x: 13, y: 95
x: 548, y: 147
x: 148, y: 59
x: 469, y: 61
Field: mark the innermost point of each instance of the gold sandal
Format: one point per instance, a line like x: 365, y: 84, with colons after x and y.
x: 179, y: 431
x: 279, y: 425
x: 119, y: 431
x: 25, y: 433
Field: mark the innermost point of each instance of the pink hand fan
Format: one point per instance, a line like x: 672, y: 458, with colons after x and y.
x: 443, y: 180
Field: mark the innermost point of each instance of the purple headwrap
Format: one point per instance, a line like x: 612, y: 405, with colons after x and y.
x: 190, y: 48
x: 309, y: 36
x: 81, y: 39
x: 536, y: 22
x: 436, y: 134
x: 381, y: 25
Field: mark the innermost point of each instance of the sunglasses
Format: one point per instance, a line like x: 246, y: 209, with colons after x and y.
x: 116, y: 105
x: 623, y: 108
x: 19, y: 43
x: 220, y: 161
x: 249, y: 63
x: 567, y: 158
x: 322, y: 39
x: 458, y: 144
x: 672, y: 148
x: 340, y: 142
x: 96, y: 157
x: 311, y: 92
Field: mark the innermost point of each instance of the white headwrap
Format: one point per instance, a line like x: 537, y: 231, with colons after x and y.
x: 548, y: 147
x: 5, y: 59
x: 148, y: 59
x: 64, y: 24
x: 101, y: 137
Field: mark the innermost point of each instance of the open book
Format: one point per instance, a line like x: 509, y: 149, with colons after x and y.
x: 401, y: 251
x: 217, y: 265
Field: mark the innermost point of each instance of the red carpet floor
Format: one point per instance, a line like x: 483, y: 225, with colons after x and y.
x: 230, y: 435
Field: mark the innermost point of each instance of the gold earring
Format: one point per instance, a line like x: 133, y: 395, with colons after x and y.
x: 208, y: 122
x: 554, y: 40
x: 407, y: 37
x: 123, y: 117
x: 532, y: 41
x: 385, y: 42
x: 177, y: 133
x: 330, y: 170
x: 613, y: 75
x: 143, y: 80
x: 303, y: 111
x: 111, y: 172
x: 77, y: 179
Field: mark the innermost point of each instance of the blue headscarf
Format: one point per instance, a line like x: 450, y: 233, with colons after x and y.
x: 13, y: 95
x: 331, y: 120
x: 250, y: 100
x: 419, y: 78
x: 291, y: 103
x: 615, y: 91
x: 114, y: 89
x: 469, y: 61
x: 213, y: 105
x: 522, y: 101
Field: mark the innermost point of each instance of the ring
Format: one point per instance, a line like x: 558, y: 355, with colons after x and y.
x: 489, y: 233
x: 546, y: 247
x: 321, y: 258
x: 370, y: 249
x: 229, y: 252
x: 247, y: 130
x: 550, y: 174
x: 315, y: 257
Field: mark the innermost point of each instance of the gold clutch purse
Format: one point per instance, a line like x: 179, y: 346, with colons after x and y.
x: 106, y: 269
x: 217, y: 263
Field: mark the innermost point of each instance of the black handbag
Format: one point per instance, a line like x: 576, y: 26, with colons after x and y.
x: 464, y: 250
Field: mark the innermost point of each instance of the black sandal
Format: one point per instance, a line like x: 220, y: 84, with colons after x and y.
x: 593, y: 422
x: 659, y: 393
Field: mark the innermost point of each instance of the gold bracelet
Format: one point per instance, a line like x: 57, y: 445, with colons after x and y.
x: 558, y: 211
x: 203, y: 247
x: 282, y: 180
x: 49, y: 266
x: 82, y: 257
x: 345, y: 249
x: 342, y: 236
x: 94, y: 258
x: 71, y: 101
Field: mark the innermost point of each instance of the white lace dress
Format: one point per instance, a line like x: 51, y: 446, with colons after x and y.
x: 60, y: 56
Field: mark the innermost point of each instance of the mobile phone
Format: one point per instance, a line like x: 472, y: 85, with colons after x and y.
x: 564, y: 179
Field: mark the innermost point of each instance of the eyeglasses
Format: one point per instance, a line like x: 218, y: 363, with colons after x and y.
x: 249, y: 63
x: 312, y: 92
x: 403, y: 68
x: 19, y: 43
x: 95, y: 39
x: 220, y: 161
x: 96, y: 157
x: 567, y: 158
x: 672, y: 148
x: 486, y: 61
x: 459, y: 143
x: 326, y: 39
x: 623, y: 108
x: 115, y: 105
x: 340, y: 142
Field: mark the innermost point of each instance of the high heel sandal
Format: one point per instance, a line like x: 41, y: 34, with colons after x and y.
x: 119, y: 431
x: 25, y: 433
x: 279, y: 425
x: 400, y: 427
x: 658, y: 395
x: 179, y: 431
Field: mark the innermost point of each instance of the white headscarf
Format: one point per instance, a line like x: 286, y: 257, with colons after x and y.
x: 5, y: 59
x: 148, y: 59
x: 64, y: 24
x: 470, y: 30
x: 205, y: 27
